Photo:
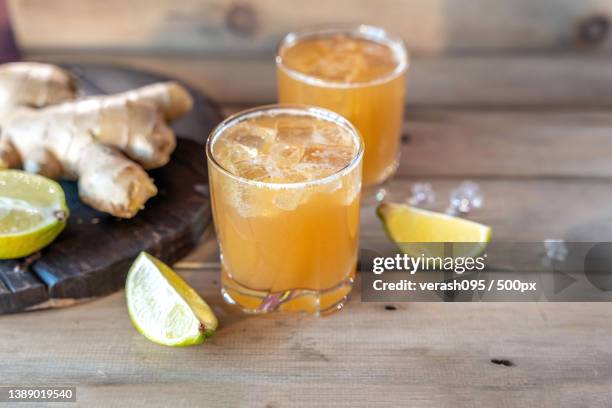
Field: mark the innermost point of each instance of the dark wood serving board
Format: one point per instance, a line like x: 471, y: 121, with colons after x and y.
x: 93, y: 254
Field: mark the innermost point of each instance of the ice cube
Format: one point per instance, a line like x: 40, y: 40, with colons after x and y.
x: 286, y: 175
x: 295, y: 177
x: 421, y: 193
x: 358, y: 68
x: 334, y: 157
x: 381, y: 194
x: 252, y: 136
x: 306, y: 63
x: 285, y: 155
x: 465, y: 198
x: 251, y: 169
x: 294, y: 131
x: 289, y: 199
x: 227, y: 152
x: 341, y: 63
x: 556, y: 250
x: 342, y: 43
x: 313, y: 171
x: 328, y: 134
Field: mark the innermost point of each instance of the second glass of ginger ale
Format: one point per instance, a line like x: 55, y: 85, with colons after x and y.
x: 358, y: 72
x: 285, y: 184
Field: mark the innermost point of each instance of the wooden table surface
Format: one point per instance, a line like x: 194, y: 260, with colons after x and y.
x: 543, y: 163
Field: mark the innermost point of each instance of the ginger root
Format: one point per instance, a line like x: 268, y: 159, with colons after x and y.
x: 46, y: 131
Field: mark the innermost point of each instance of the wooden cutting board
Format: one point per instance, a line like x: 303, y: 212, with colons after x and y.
x: 93, y: 254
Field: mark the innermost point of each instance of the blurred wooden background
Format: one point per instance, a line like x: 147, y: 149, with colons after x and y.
x: 226, y: 47
x: 236, y: 27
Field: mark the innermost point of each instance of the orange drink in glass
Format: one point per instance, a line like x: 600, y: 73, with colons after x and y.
x: 358, y: 72
x: 285, y: 185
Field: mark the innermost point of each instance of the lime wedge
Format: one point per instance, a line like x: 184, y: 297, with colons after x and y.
x: 417, y: 231
x: 163, y: 307
x: 33, y: 212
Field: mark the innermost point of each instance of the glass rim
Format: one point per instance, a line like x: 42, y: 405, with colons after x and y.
x: 369, y: 32
x: 305, y: 110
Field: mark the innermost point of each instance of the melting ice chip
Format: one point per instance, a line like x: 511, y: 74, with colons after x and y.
x: 465, y: 198
x: 381, y: 194
x: 556, y: 250
x: 421, y: 193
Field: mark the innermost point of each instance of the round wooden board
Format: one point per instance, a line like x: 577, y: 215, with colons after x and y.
x: 92, y: 256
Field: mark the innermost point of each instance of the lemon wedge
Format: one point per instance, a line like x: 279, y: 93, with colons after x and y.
x: 163, y: 307
x: 417, y: 231
x: 33, y: 212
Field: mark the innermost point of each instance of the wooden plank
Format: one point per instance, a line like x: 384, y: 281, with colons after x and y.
x: 422, y: 354
x: 516, y: 81
x: 249, y: 26
x: 472, y: 143
x: 26, y: 290
x: 349, y: 394
x: 6, y: 302
x: 196, y: 27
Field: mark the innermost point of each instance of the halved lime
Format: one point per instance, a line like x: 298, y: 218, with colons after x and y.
x: 417, y: 231
x: 163, y: 307
x: 33, y: 212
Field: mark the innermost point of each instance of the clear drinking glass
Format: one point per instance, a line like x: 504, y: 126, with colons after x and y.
x: 358, y: 72
x: 285, y: 184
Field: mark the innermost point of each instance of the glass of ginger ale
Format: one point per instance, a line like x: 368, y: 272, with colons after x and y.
x: 285, y: 183
x: 358, y: 72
